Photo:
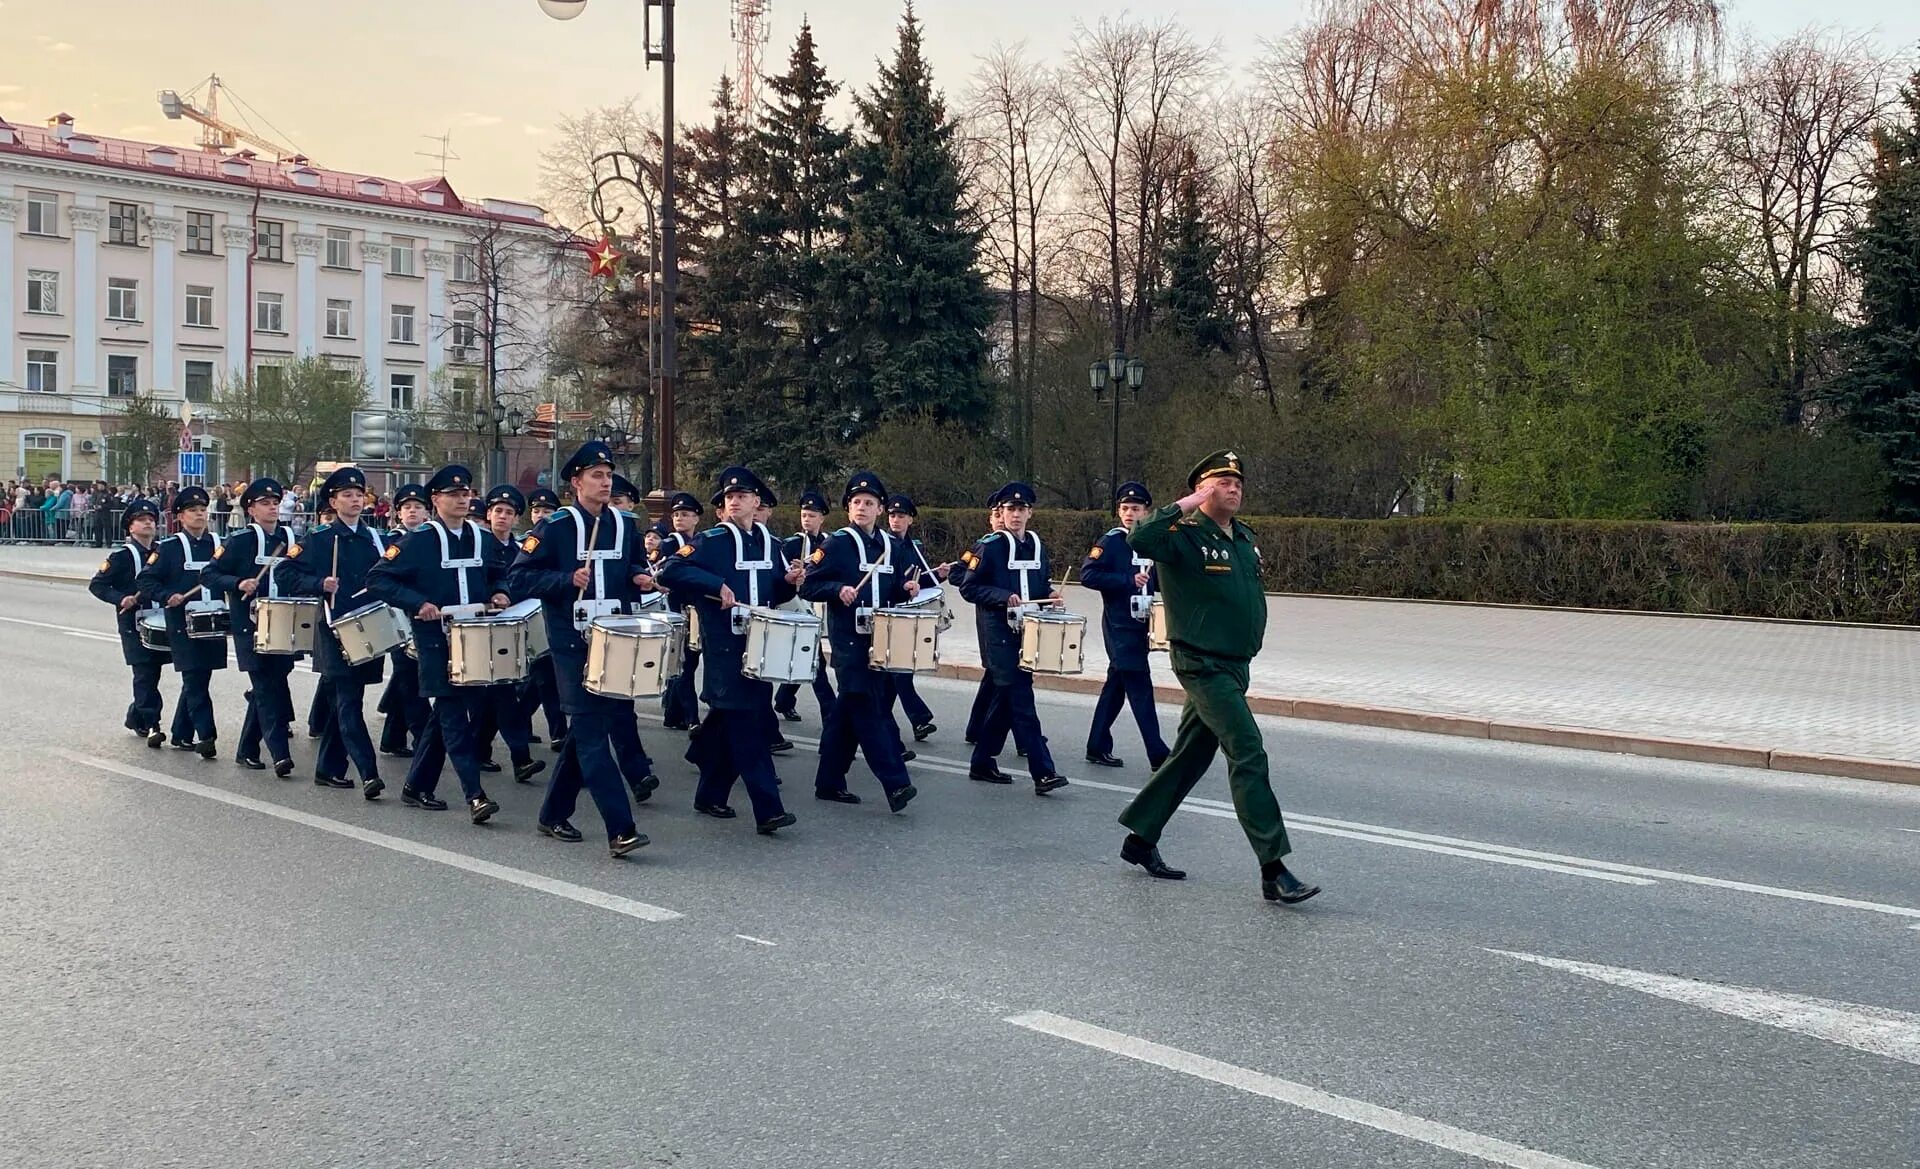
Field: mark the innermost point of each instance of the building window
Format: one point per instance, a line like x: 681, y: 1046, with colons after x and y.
x: 270, y: 240
x: 200, y: 232
x: 339, y: 248
x: 269, y: 312
x: 268, y: 381
x: 43, y: 371
x: 123, y: 223
x: 401, y: 324
x: 199, y: 381
x: 43, y: 292
x: 123, y: 376
x: 400, y: 257
x: 466, y: 331
x: 400, y: 391
x: 200, y: 305
x: 123, y: 299
x: 460, y: 398
x: 43, y: 213
x: 44, y: 455
x: 466, y: 262
x: 340, y: 318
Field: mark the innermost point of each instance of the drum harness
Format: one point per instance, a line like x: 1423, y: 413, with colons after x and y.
x: 863, y: 615
x: 585, y: 536
x: 737, y: 617
x: 188, y: 562
x: 1023, y: 567
x: 460, y: 567
x: 1142, y: 605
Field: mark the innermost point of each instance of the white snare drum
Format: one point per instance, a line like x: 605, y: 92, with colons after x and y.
x: 629, y: 657
x: 208, y: 620
x: 906, y: 640
x: 484, y: 650
x: 935, y: 598
x: 152, y: 625
x: 284, y: 625
x: 1157, y: 626
x: 649, y: 603
x: 693, y: 642
x: 369, y: 632
x: 782, y: 646
x: 529, y: 613
x: 1050, y: 642
x: 676, y: 627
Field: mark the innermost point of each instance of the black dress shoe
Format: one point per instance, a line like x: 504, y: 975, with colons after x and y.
x: 399, y: 752
x: 622, y: 845
x: 312, y: 734
x: 335, y: 781
x: 676, y: 726
x: 522, y: 772
x: 1020, y: 751
x: 207, y: 748
x: 480, y: 809
x: 792, y: 716
x: 909, y: 756
x: 185, y: 745
x: 1048, y: 783
x: 836, y: 797
x: 1104, y: 759
x: 769, y: 827
x: 644, y: 787
x: 561, y: 831
x: 156, y: 737
x: 414, y: 798
x: 535, y: 739
x: 1282, y: 886
x: 1136, y: 851
x: 284, y: 768
x: 717, y: 811
x: 780, y: 746
x: 901, y: 797
x: 991, y: 773
x: 246, y: 761
x: 1156, y: 764
x: 490, y: 767
x: 921, y: 732
x: 373, y: 787
x: 559, y: 744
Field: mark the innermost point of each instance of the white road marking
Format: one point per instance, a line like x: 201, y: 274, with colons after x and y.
x: 754, y: 940
x: 1878, y: 1030
x: 1388, y: 1120
x: 67, y: 629
x: 521, y: 877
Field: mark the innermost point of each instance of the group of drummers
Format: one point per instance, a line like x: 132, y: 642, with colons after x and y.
x: 477, y: 627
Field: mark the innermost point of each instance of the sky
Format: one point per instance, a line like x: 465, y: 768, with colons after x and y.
x: 360, y: 85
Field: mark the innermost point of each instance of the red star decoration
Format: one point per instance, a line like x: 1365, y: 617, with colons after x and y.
x: 606, y: 258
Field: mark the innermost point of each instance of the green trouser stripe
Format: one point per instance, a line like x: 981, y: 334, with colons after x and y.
x: 1215, y: 718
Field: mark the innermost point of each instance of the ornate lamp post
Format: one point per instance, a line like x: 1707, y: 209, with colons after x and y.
x: 1115, y: 369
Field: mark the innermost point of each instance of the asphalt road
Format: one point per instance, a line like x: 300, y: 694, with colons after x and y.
x: 1524, y: 957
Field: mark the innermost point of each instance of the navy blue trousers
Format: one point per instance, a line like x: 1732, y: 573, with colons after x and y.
x: 681, y: 703
x: 861, y: 721
x: 449, y: 737
x: 587, y: 761
x: 918, y: 713
x: 785, y: 698
x: 1013, y: 709
x: 343, y: 732
x: 143, y: 713
x: 1132, y: 688
x: 982, y: 703
x: 269, y: 709
x: 506, y: 714
x: 735, y: 745
x: 196, y: 705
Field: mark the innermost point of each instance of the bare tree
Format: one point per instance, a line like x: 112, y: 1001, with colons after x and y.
x: 573, y: 170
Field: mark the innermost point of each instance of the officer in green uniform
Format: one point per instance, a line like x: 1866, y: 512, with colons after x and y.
x: 1216, y: 618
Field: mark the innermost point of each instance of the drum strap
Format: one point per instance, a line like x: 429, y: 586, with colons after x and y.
x: 188, y: 562
x: 874, y: 569
x: 264, y: 559
x: 1023, y: 567
x: 462, y: 566
x: 751, y: 567
x: 597, y: 557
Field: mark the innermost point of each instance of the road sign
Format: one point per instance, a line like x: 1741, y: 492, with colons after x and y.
x: 193, y: 463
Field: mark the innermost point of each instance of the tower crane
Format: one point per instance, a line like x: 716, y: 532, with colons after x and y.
x: 215, y: 132
x: 749, y: 37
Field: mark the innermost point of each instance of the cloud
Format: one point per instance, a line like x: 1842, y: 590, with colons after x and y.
x: 534, y: 131
x: 471, y: 119
x: 10, y: 88
x: 53, y: 46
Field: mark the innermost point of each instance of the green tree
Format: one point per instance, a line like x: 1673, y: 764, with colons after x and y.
x: 289, y: 417
x: 141, y: 441
x: 914, y: 303
x: 1192, y: 306
x: 1880, y: 387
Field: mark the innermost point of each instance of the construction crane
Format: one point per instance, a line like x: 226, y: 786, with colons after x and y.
x: 749, y: 34
x: 216, y: 133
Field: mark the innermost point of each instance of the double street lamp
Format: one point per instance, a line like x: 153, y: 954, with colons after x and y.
x: 501, y: 421
x: 1116, y: 369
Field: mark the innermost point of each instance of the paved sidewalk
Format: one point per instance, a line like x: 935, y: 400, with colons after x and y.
x: 1763, y: 686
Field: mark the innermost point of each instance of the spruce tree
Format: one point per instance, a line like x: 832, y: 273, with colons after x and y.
x: 1193, y: 309
x: 1880, y: 389
x: 914, y: 305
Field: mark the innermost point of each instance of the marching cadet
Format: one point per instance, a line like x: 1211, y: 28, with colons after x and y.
x: 735, y: 567
x: 680, y: 704
x: 320, y: 710
x: 504, y: 711
x: 625, y: 495
x: 983, y: 694
x: 115, y: 584
x: 1216, y: 620
x: 443, y: 566
x: 408, y: 713
x: 543, y: 693
x: 579, y: 562
x: 170, y: 579
x: 859, y: 569
x: 246, y: 570
x: 798, y: 549
x: 1005, y: 570
x: 762, y: 514
x: 900, y: 516
x: 1126, y: 582
x: 332, y: 564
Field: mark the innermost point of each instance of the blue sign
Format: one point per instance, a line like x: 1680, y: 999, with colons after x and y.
x: 193, y: 463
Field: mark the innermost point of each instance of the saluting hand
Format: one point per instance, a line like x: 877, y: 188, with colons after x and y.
x: 1198, y: 496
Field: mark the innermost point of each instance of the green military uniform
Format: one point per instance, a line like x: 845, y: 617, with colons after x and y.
x: 1216, y: 619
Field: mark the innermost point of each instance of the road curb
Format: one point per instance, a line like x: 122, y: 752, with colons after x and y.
x: 56, y: 578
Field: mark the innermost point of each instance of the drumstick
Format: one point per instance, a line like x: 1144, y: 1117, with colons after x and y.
x: 593, y: 537
x: 335, y: 573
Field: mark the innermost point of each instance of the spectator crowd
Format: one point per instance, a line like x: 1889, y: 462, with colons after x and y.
x: 57, y: 512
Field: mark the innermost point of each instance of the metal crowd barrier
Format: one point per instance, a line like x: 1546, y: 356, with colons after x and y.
x: 86, y: 527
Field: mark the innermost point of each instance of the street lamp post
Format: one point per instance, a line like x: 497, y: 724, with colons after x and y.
x: 669, y: 247
x: 502, y: 421
x: 1113, y: 370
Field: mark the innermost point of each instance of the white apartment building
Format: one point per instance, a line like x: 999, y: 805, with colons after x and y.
x: 131, y: 267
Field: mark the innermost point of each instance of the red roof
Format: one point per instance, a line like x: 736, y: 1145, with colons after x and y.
x: 208, y: 166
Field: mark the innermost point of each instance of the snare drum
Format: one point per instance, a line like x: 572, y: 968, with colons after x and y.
x: 152, y: 625
x: 370, y: 632
x: 629, y: 657
x: 208, y: 620
x: 649, y: 603
x: 782, y: 646
x: 1157, y: 626
x: 484, y: 650
x: 906, y: 640
x: 693, y: 642
x: 935, y: 598
x: 529, y: 613
x: 284, y: 625
x: 1050, y: 642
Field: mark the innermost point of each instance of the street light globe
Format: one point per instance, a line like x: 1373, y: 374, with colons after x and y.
x: 1097, y: 376
x: 563, y: 9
